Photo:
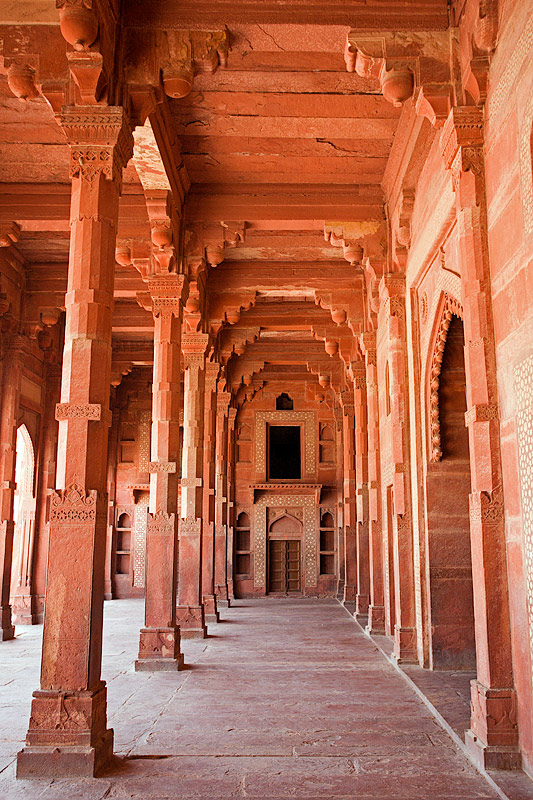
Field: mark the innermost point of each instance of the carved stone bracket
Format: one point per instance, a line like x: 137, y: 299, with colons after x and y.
x: 406, y: 66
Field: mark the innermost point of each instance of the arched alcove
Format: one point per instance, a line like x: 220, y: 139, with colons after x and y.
x: 450, y: 595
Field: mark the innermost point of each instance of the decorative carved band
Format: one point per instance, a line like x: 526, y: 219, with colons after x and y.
x: 190, y: 526
x: 160, y: 524
x: 190, y: 483
x: 451, y: 308
x: 481, y: 413
x: 73, y: 504
x: 162, y: 466
x: 487, y: 506
x: 90, y: 411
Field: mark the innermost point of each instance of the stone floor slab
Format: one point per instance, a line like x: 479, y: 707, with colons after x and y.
x: 289, y: 699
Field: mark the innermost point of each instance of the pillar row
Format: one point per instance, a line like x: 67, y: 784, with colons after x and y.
x: 349, y: 496
x: 362, y: 600
x: 159, y: 645
x: 190, y: 611
x: 209, y: 601
x: 392, y: 315
x: 376, y: 609
x: 12, y: 374
x: 221, y: 500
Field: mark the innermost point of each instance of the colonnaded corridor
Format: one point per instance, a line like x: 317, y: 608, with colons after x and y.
x: 287, y: 699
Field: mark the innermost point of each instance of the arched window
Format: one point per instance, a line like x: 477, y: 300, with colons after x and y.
x: 284, y: 402
x: 24, y: 509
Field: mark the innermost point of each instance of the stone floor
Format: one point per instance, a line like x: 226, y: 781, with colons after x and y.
x: 287, y: 699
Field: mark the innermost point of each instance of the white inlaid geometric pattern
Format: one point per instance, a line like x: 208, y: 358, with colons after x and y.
x: 145, y: 423
x: 526, y: 167
x: 139, y: 540
x: 523, y: 380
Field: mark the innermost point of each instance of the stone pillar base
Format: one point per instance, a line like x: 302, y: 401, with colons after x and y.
x: 222, y: 597
x: 376, y: 619
x: 362, y: 602
x: 7, y: 629
x: 492, y: 740
x: 492, y: 756
x: 23, y: 610
x: 209, y: 603
x: 349, y: 594
x: 405, y: 651
x: 191, y: 620
x: 67, y: 735
x: 159, y: 650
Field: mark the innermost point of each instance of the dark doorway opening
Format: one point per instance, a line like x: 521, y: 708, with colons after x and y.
x: 284, y: 452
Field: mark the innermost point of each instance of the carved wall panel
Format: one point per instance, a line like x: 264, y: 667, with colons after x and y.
x: 308, y: 418
x: 310, y: 533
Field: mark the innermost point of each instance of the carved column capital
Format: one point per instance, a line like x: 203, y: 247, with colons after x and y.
x: 168, y: 294
x: 100, y: 139
x: 194, y: 347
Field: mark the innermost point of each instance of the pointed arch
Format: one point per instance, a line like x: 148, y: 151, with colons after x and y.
x: 449, y: 307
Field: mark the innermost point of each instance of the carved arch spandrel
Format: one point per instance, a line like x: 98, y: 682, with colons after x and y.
x: 448, y: 307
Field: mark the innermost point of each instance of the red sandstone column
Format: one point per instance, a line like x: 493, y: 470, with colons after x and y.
x: 392, y: 314
x: 376, y: 609
x: 68, y: 732
x: 47, y: 482
x: 159, y: 641
x: 361, y: 472
x: 230, y: 463
x: 212, y: 370
x: 350, y: 507
x: 221, y: 500
x: 493, y: 735
x: 12, y: 373
x: 190, y: 612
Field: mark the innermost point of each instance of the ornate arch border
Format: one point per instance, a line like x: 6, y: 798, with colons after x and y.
x: 307, y: 502
x: 449, y: 307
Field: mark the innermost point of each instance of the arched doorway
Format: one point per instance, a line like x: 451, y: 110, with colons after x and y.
x: 24, y: 532
x: 284, y: 555
x: 448, y: 482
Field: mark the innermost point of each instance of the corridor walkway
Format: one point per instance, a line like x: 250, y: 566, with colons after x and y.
x: 288, y: 699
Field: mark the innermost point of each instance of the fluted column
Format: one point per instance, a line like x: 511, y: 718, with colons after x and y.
x: 493, y: 735
x: 362, y: 599
x: 212, y: 370
x: 68, y: 732
x: 221, y: 500
x: 159, y: 642
x: 350, y: 504
x: 376, y: 609
x: 190, y: 611
x: 12, y: 373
